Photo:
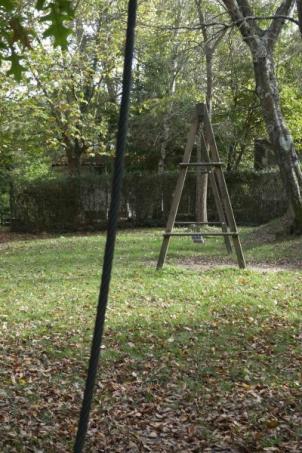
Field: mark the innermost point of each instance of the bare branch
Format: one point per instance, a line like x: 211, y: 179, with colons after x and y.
x: 223, y: 25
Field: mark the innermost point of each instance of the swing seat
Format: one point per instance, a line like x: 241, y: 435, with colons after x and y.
x: 197, y: 238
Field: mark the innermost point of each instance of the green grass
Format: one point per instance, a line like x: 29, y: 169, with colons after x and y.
x: 194, y: 355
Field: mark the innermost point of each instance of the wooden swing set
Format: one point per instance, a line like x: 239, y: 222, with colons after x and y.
x: 211, y: 165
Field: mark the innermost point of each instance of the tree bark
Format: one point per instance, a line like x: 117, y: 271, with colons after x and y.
x: 299, y: 8
x: 261, y: 44
x: 74, y: 151
x: 202, y: 179
x: 201, y: 208
x: 210, y: 44
x: 280, y: 137
x: 164, y: 143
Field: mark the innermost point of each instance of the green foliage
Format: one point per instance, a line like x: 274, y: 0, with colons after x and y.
x: 292, y: 108
x: 17, y: 31
x: 22, y: 153
x: 56, y: 13
x: 66, y: 107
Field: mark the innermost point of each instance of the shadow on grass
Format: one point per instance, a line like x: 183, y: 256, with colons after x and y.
x: 169, y: 386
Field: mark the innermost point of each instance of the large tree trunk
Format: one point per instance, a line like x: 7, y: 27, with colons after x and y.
x: 280, y: 137
x: 261, y: 43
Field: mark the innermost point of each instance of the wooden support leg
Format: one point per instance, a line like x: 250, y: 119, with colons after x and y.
x: 222, y: 217
x: 232, y: 223
x: 178, y: 191
x: 163, y: 252
x: 222, y: 187
x: 217, y: 199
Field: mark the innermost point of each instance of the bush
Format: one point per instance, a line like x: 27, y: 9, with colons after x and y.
x: 46, y: 205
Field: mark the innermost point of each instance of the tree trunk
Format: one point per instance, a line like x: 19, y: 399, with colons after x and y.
x: 201, y: 211
x: 163, y: 146
x: 209, y: 67
x: 280, y: 137
x: 73, y: 154
x: 261, y: 44
x: 231, y: 156
x: 73, y: 164
x: 299, y: 8
x: 202, y: 180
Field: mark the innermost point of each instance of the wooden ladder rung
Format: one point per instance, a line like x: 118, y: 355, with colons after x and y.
x: 232, y: 234
x: 199, y: 223
x: 201, y: 164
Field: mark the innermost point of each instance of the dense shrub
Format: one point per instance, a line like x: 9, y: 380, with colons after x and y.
x: 257, y: 197
x: 46, y: 205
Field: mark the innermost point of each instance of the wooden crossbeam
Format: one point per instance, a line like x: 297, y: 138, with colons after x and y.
x: 201, y: 122
x: 194, y: 233
x: 197, y: 223
x: 201, y: 164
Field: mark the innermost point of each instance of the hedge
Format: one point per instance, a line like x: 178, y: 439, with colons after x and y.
x: 71, y: 204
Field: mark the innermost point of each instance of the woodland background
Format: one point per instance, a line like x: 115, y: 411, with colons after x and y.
x: 60, y: 118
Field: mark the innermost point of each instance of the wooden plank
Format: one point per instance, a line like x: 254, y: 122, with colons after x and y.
x: 222, y: 187
x: 197, y: 223
x: 217, y: 199
x: 179, y: 187
x: 202, y: 164
x: 194, y: 233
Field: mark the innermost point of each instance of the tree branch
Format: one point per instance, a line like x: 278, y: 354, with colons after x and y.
x: 275, y: 28
x: 223, y: 25
x: 201, y: 20
x: 238, y: 11
x: 299, y: 8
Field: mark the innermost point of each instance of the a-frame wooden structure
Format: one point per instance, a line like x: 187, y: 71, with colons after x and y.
x: 213, y: 166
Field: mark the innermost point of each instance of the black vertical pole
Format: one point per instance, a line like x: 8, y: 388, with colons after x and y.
x: 111, y: 231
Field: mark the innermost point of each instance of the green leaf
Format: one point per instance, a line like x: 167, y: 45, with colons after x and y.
x: 60, y: 11
x: 59, y: 32
x: 40, y: 5
x: 7, y: 4
x: 19, y: 33
x: 16, y: 68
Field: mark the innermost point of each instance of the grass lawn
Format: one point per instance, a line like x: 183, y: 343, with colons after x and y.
x: 196, y: 357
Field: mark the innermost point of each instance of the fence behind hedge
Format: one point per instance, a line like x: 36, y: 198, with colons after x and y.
x: 70, y: 204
